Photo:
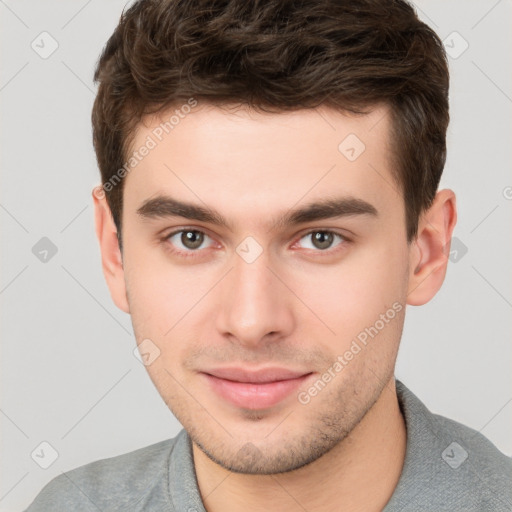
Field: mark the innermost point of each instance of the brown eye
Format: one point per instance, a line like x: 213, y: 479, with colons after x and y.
x: 187, y: 240
x: 322, y: 239
x: 192, y: 239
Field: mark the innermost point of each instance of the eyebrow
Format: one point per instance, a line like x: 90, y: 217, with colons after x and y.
x: 166, y: 206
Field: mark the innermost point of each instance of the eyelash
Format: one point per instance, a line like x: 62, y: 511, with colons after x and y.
x: 194, y: 253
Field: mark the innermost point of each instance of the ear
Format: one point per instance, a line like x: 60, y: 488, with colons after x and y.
x: 111, y: 258
x: 428, y: 256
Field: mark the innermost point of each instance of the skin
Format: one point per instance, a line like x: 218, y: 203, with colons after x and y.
x: 296, y: 306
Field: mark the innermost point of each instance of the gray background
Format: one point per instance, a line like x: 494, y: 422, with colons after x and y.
x: 69, y: 374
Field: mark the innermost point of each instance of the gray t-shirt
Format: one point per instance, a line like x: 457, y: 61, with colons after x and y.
x: 448, y: 467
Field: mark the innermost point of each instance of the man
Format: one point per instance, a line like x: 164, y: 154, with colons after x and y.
x: 268, y: 209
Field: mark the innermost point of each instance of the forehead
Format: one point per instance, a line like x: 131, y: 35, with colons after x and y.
x: 240, y: 161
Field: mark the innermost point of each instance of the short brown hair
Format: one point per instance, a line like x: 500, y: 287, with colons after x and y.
x: 276, y: 56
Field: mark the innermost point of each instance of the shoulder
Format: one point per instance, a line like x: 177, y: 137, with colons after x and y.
x: 492, y: 469
x: 135, y: 477
x: 449, y: 465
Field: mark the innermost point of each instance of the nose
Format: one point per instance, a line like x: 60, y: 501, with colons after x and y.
x: 255, y: 307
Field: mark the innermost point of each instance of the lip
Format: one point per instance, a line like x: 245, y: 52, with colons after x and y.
x: 262, y: 376
x: 258, y: 389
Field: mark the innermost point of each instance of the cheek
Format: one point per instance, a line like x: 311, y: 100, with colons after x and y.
x: 158, y: 289
x: 351, y: 296
x: 157, y: 295
x: 167, y: 304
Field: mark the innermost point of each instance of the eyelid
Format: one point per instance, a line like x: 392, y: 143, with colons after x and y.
x: 324, y: 230
x: 201, y: 229
x: 165, y: 239
x: 345, y: 239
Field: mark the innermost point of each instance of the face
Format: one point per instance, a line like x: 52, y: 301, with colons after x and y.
x: 266, y: 320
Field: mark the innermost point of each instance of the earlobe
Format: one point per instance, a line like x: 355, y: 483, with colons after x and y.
x: 429, y: 252
x: 111, y: 259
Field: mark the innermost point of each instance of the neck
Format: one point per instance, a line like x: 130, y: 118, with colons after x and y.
x: 360, y: 473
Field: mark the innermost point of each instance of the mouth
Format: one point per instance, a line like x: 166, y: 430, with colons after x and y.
x: 254, y: 389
